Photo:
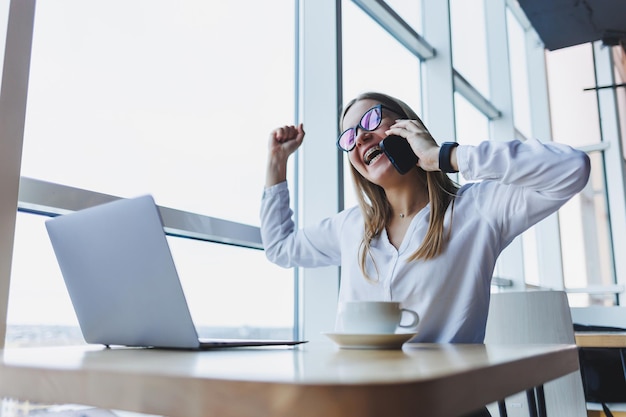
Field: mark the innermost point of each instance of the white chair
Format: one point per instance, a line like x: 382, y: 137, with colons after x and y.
x: 537, y: 317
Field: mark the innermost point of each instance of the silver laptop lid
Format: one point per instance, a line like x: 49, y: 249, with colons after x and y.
x: 121, y: 277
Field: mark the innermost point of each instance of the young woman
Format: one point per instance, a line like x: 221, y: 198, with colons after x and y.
x: 417, y: 238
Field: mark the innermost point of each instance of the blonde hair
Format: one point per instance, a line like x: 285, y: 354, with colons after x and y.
x: 375, y: 206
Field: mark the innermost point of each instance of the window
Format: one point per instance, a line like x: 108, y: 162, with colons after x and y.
x: 177, y: 98
x: 409, y: 11
x: 519, y: 76
x: 472, y: 127
x: 586, y: 240
x: 374, y: 61
x: 469, y: 47
x: 584, y: 222
x: 574, y: 112
x: 154, y: 100
x: 366, y: 68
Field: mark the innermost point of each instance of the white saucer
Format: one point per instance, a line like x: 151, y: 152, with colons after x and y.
x: 370, y: 341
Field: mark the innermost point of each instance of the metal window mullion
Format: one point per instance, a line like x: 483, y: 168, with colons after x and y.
x: 474, y: 97
x: 511, y: 262
x: 320, y: 162
x: 45, y: 198
x: 437, y: 73
x: 500, y: 91
x: 595, y: 147
x: 12, y: 119
x: 520, y: 16
x: 520, y: 136
x: 387, y: 18
x: 597, y: 289
x: 547, y: 232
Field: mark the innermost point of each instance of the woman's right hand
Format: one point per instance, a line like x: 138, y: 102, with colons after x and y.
x: 283, y: 142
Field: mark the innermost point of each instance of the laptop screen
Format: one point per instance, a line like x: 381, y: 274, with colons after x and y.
x: 121, y: 277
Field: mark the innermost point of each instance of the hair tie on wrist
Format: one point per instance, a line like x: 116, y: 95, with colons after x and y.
x: 444, y: 157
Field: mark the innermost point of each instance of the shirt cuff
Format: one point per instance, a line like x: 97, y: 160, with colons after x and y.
x: 275, y: 189
x: 462, y: 160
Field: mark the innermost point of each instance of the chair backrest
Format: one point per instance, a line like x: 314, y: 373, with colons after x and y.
x: 537, y: 317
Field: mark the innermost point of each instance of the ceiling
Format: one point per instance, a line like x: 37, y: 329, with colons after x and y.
x: 563, y: 23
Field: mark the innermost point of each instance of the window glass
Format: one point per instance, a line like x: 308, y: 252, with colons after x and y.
x: 585, y: 239
x: 40, y: 311
x: 374, y: 61
x: 409, y: 11
x: 469, y: 46
x: 519, y: 75
x: 573, y: 111
x: 167, y: 98
x: 472, y: 127
x: 163, y: 97
x: 234, y: 292
x: 531, y: 257
x: 584, y: 223
x: 227, y: 298
x: 367, y: 66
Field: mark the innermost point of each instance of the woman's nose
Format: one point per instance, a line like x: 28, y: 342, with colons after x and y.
x: 362, y: 136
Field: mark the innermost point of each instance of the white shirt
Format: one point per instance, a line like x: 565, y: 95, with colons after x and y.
x: 520, y: 184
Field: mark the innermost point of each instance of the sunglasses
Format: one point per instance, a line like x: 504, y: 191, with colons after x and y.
x: 369, y: 122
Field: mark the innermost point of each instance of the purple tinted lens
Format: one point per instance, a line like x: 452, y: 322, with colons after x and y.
x: 346, y: 141
x: 371, y: 119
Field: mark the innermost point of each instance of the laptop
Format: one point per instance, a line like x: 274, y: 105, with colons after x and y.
x: 122, y: 280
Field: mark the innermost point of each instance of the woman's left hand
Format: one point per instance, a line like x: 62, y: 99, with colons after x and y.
x: 421, y: 141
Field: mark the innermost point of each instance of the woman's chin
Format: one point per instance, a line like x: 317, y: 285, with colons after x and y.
x: 381, y: 171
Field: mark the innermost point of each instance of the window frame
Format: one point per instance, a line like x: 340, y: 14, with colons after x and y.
x: 319, y: 191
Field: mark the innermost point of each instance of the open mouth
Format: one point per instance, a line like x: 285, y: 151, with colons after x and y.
x: 372, y: 154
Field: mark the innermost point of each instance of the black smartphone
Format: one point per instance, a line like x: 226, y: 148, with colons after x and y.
x: 399, y: 153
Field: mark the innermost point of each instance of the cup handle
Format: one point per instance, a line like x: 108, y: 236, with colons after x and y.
x: 415, y: 318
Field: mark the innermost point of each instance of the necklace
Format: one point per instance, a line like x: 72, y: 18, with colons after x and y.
x: 402, y: 215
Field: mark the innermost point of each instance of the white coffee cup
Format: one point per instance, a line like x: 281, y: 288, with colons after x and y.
x: 374, y: 317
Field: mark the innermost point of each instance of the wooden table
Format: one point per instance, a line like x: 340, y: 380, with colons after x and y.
x: 601, y: 339
x: 311, y: 380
